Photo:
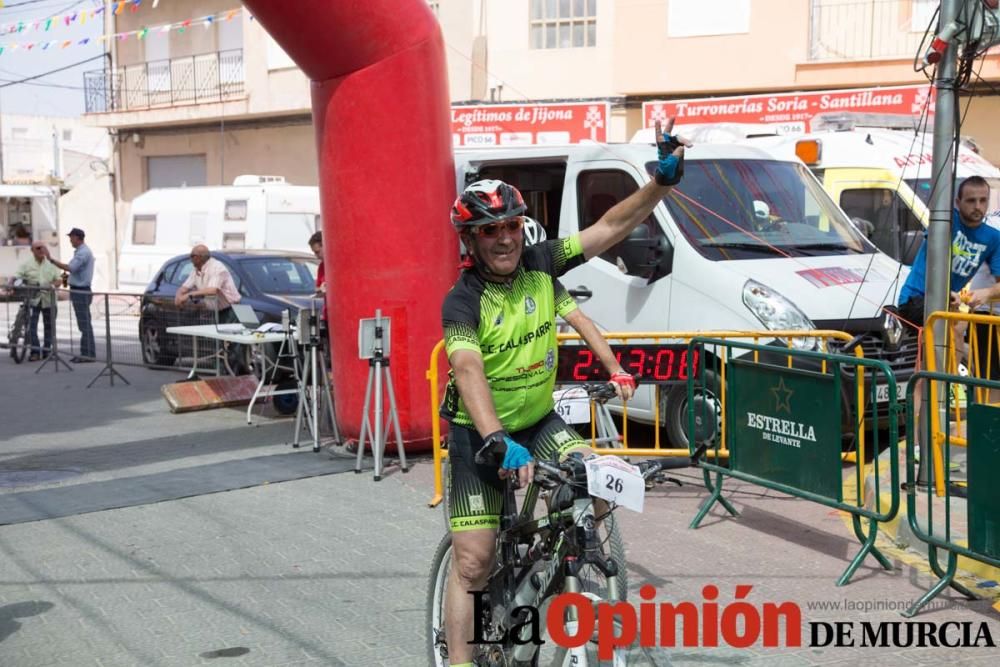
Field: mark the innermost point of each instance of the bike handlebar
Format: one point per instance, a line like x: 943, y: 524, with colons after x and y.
x: 549, y: 474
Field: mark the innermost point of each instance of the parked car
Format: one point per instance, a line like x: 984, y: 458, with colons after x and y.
x: 269, y: 281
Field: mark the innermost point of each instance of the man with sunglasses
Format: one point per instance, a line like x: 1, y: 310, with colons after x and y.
x: 500, y: 336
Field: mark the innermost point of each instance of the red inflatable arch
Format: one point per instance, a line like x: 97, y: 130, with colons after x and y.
x: 381, y: 111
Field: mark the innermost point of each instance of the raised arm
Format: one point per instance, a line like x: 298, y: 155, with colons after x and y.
x: 623, y: 217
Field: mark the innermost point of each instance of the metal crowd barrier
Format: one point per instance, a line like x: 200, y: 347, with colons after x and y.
x: 123, y: 336
x: 440, y: 452
x: 979, y: 363
x: 785, y: 416
x: 982, y: 518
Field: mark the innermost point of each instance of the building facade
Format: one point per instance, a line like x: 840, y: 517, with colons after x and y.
x: 202, y: 105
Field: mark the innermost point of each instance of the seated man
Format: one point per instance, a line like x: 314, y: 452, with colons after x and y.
x: 38, y: 272
x: 210, y: 279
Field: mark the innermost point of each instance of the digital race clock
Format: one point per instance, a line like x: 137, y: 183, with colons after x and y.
x: 653, y: 363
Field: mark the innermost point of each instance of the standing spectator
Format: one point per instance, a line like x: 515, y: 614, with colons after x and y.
x: 210, y: 278
x: 316, y: 245
x: 38, y: 272
x: 81, y: 274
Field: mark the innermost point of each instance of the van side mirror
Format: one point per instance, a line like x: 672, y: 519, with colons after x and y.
x: 645, y: 256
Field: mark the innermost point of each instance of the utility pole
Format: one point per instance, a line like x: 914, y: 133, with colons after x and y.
x: 1, y: 142
x: 937, y: 295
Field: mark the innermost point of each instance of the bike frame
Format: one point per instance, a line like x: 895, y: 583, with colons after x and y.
x: 517, y: 527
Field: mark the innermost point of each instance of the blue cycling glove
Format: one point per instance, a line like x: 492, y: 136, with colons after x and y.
x: 670, y: 168
x: 517, y: 456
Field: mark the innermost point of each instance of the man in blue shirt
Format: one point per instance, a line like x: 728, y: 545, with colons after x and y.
x: 972, y: 245
x: 81, y: 274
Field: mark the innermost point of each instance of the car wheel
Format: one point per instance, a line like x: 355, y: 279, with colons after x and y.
x: 707, y: 412
x: 241, y: 359
x: 154, y: 352
x: 286, y: 404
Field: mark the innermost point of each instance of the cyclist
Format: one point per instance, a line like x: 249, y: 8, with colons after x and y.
x: 500, y: 337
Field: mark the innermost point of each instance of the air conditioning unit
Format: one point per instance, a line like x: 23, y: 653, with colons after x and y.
x: 257, y: 179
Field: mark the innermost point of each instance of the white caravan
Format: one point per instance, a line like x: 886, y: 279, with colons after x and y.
x: 747, y: 241
x: 255, y: 212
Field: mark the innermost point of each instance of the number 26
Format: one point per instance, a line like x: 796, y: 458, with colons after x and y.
x: 613, y: 483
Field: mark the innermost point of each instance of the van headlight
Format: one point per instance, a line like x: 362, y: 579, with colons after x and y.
x: 778, y: 313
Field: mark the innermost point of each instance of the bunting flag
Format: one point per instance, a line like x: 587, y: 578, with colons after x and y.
x: 146, y: 32
x: 76, y: 17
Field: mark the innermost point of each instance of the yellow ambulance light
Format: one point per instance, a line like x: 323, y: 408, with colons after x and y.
x: 809, y: 151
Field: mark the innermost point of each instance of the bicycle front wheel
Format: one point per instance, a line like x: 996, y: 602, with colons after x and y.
x: 592, y: 583
x: 19, y: 336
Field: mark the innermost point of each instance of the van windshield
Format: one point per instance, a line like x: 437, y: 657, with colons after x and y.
x: 752, y: 209
x: 282, y: 275
x: 922, y: 186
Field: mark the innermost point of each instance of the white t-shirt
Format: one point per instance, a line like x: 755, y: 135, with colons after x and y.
x: 983, y: 278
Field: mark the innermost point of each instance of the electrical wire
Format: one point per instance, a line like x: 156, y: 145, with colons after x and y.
x: 51, y: 71
x: 921, y: 48
x: 13, y: 6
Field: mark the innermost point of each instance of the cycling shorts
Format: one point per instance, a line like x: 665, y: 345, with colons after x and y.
x: 475, y: 491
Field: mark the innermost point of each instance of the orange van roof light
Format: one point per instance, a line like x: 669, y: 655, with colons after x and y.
x: 809, y: 151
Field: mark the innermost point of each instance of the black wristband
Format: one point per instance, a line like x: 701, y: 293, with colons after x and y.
x: 661, y: 179
x: 494, y: 447
x: 495, y: 438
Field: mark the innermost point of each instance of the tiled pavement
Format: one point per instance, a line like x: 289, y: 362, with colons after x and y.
x: 332, y: 570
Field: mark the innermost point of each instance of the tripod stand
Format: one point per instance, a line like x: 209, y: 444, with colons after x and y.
x: 378, y: 369
x: 313, y: 371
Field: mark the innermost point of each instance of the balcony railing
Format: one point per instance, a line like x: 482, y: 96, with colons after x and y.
x: 208, y: 77
x: 867, y: 29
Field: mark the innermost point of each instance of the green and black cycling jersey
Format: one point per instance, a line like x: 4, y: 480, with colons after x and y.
x: 512, y: 325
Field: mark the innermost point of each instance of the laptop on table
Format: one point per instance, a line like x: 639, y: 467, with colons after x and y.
x: 247, y: 320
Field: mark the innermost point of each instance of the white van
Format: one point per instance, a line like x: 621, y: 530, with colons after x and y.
x: 255, y: 212
x: 882, y: 176
x: 747, y: 241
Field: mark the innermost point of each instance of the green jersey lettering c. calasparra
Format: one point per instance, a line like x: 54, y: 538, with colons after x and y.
x: 512, y: 325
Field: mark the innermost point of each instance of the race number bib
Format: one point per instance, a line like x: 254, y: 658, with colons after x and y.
x: 612, y: 479
x: 572, y: 405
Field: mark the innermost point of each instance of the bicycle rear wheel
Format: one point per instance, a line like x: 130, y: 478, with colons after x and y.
x: 493, y: 655
x: 437, y: 588
x: 19, y: 336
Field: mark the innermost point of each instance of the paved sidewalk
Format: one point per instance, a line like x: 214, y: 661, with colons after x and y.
x: 332, y: 570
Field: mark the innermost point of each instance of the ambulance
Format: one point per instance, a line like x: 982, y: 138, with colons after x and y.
x: 748, y: 241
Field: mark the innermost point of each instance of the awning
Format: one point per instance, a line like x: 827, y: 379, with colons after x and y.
x: 16, y: 190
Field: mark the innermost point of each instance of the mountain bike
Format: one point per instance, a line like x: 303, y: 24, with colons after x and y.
x: 568, y: 549
x: 17, y: 335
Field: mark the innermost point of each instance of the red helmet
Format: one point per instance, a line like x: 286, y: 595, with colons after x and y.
x: 484, y: 202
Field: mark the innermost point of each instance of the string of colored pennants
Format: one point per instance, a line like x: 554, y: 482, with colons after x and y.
x: 79, y: 17
x: 140, y: 33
